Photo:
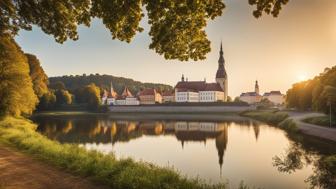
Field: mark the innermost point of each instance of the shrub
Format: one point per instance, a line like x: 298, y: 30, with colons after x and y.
x: 289, y: 125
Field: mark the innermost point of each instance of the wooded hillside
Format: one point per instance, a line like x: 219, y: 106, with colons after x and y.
x: 103, y: 81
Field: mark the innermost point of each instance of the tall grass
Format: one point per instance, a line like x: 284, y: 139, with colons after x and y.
x: 106, y: 169
x: 270, y: 117
x: 279, y: 119
x: 320, y: 120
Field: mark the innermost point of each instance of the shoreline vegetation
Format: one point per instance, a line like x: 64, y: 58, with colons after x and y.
x: 323, y: 121
x: 275, y: 118
x: 104, y: 169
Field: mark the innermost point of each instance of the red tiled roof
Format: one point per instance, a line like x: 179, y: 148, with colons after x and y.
x: 168, y: 93
x: 126, y: 93
x: 197, y: 86
x: 147, y: 92
x: 112, y: 94
x: 213, y: 87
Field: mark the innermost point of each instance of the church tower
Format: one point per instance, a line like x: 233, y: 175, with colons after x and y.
x: 221, y: 76
x: 256, y: 87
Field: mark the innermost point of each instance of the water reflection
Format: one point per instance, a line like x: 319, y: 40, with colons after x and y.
x: 111, y: 131
x: 241, y: 147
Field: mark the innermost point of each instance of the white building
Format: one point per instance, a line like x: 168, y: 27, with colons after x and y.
x: 186, y: 95
x: 168, y: 96
x: 275, y: 97
x: 127, y: 99
x: 109, y: 97
x: 251, y: 97
x: 201, y: 91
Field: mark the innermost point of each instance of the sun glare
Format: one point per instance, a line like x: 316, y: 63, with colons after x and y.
x: 302, y: 77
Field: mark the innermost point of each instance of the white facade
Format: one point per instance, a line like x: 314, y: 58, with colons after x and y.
x: 129, y: 101
x: 132, y: 101
x: 250, y: 99
x: 276, y: 99
x: 211, y: 96
x: 170, y: 98
x: 186, y: 96
x: 110, y: 101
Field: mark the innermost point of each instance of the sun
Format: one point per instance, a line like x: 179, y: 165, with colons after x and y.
x: 302, y: 77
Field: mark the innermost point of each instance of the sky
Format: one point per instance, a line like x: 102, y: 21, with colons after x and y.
x: 277, y: 52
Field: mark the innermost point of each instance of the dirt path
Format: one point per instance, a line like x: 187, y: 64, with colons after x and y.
x: 311, y: 129
x: 19, y: 171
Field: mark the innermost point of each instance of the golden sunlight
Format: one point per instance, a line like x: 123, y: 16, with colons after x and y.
x: 302, y: 77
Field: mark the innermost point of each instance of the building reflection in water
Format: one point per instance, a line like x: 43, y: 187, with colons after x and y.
x: 111, y: 131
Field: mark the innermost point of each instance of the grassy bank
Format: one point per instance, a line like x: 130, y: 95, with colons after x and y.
x: 320, y: 120
x: 65, y: 113
x: 274, y: 118
x: 20, y: 133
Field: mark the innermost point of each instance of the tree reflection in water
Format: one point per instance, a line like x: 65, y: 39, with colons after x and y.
x: 302, y: 153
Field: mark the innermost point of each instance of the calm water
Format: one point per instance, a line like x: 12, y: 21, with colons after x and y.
x: 231, y: 150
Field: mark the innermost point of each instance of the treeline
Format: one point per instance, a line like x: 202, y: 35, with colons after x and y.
x: 24, y: 86
x: 315, y: 94
x: 73, y: 83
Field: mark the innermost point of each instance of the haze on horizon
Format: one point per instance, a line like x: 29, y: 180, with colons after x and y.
x: 278, y: 52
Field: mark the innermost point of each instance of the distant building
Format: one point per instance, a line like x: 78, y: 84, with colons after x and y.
x: 254, y: 97
x: 109, y: 97
x: 149, y: 96
x: 127, y: 99
x: 168, y: 96
x: 251, y: 97
x: 201, y: 91
x: 275, y: 97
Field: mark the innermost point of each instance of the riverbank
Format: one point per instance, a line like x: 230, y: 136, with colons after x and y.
x: 105, y: 169
x: 191, y: 109
x: 293, y: 122
x: 19, y: 171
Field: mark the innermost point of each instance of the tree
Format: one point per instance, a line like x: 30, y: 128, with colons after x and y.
x: 267, y: 6
x: 39, y: 78
x: 91, y: 95
x: 63, y: 97
x: 47, y: 101
x: 59, y: 85
x: 16, y: 89
x: 177, y: 27
x: 315, y: 94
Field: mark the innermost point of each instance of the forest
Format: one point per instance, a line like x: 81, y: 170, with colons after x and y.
x: 317, y: 94
x: 72, y: 83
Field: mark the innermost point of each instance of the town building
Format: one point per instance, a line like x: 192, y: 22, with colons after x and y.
x: 168, y: 96
x: 251, y: 97
x: 275, y: 97
x: 127, y: 99
x: 109, y: 97
x: 149, y: 96
x: 201, y: 91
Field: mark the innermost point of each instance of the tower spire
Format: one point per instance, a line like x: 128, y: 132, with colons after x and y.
x: 221, y: 49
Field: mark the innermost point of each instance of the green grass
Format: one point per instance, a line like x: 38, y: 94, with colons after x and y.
x: 63, y: 113
x: 274, y: 118
x: 320, y: 120
x: 289, y: 125
x: 105, y: 169
x: 270, y: 117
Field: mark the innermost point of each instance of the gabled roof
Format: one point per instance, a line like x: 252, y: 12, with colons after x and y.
x: 212, y: 87
x: 250, y: 94
x: 112, y: 94
x: 126, y: 93
x: 147, y: 92
x: 196, y: 86
x: 168, y: 93
x: 272, y: 93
